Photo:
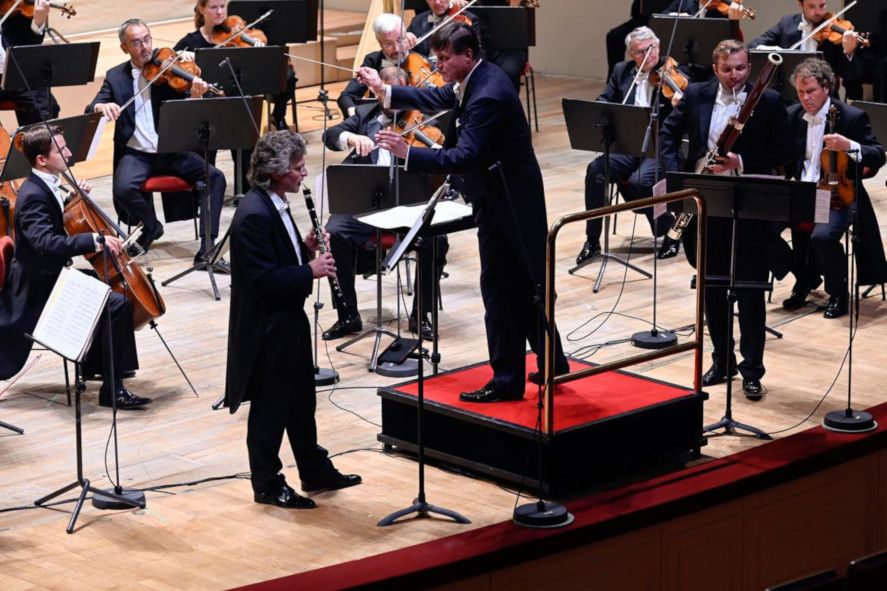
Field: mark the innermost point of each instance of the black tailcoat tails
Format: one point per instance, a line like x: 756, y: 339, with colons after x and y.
x: 489, y: 145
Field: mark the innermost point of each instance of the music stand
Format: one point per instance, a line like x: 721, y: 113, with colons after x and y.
x: 503, y: 28
x: 743, y: 198
x: 190, y: 125
x: 361, y: 188
x: 782, y: 82
x: 694, y: 38
x: 413, y: 240
x: 617, y: 128
x: 79, y: 132
x: 293, y: 21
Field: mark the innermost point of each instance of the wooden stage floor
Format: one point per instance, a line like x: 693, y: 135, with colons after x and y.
x: 211, y: 535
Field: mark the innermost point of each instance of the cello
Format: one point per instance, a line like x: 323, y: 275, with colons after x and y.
x: 8, y: 192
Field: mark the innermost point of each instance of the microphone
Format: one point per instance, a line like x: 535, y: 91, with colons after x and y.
x: 222, y: 63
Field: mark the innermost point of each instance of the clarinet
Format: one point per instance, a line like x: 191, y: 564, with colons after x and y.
x: 321, y: 243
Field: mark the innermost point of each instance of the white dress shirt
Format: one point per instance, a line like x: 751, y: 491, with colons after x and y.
x: 283, y: 208
x: 384, y: 157
x: 643, y: 92
x: 816, y: 129
x: 144, y: 139
x: 806, y: 28
x: 727, y: 104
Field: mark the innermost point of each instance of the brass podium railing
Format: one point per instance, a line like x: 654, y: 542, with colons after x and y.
x: 696, y: 344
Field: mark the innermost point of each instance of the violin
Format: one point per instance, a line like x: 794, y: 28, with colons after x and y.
x: 834, y: 32
x: 834, y: 167
x: 723, y: 7
x: 674, y: 82
x: 226, y: 34
x: 26, y: 8
x: 409, y: 125
x: 125, y: 276
x: 458, y: 16
x: 8, y: 192
x: 178, y: 77
x: 420, y: 73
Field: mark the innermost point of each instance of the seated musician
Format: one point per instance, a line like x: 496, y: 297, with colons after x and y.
x: 793, y: 28
x: 42, y: 248
x: 512, y: 62
x: 638, y: 174
x: 349, y: 237
x: 640, y: 13
x: 135, y: 137
x: 18, y: 29
x: 815, y: 81
x: 763, y: 145
x: 691, y: 7
x: 395, y: 43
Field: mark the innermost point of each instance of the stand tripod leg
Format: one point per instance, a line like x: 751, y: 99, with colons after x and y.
x: 153, y: 326
x: 730, y: 426
x: 219, y: 403
x: 76, y: 512
x: 18, y: 430
x: 422, y: 509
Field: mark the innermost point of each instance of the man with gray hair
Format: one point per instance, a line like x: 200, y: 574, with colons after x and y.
x: 395, y: 42
x: 636, y: 176
x: 269, y: 336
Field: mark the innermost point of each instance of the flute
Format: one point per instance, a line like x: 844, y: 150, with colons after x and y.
x: 321, y: 243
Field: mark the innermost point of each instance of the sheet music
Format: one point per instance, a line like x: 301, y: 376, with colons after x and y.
x: 823, y: 206
x: 70, y: 316
x: 96, y: 138
x: 404, y: 216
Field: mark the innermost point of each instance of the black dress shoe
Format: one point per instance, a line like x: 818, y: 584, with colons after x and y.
x: 536, y: 377
x: 589, y: 251
x: 123, y: 375
x: 284, y: 496
x: 836, y: 307
x: 332, y: 480
x: 716, y: 375
x: 669, y: 248
x: 125, y: 400
x: 489, y: 393
x: 221, y: 266
x: 342, y: 328
x: 798, y: 297
x: 147, y: 238
x: 752, y: 388
x: 427, y: 329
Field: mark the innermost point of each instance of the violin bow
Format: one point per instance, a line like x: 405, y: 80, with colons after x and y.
x: 444, y: 22
x: 162, y: 71
x: 9, y: 12
x: 245, y: 28
x: 823, y: 25
x: 422, y: 123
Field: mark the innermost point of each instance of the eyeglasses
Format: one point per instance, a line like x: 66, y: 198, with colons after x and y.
x: 642, y: 50
x: 143, y: 42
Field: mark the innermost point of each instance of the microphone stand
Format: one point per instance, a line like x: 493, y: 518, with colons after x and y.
x: 849, y: 420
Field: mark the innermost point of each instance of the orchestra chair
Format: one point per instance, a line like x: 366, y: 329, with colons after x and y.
x: 867, y: 573
x: 528, y: 81
x: 7, y: 253
x: 828, y: 580
x: 171, y: 184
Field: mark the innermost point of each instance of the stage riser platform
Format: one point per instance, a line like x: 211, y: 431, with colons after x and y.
x: 573, y: 457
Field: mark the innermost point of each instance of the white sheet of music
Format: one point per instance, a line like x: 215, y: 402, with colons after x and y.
x: 404, y: 216
x: 71, y: 314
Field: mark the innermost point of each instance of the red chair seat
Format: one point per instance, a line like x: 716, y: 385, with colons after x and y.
x: 7, y: 248
x: 166, y: 184
x: 388, y: 240
x: 7, y: 105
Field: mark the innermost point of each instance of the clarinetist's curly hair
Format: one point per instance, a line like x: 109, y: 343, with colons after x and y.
x: 274, y: 154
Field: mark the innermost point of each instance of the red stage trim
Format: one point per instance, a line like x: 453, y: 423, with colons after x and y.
x: 599, y: 516
x: 576, y: 403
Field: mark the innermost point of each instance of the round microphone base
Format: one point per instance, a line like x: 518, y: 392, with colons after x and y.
x: 653, y: 339
x: 849, y: 421
x: 542, y: 515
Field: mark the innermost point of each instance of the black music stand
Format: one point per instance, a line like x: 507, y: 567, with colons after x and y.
x: 694, y: 38
x: 361, y: 188
x: 782, y: 82
x: 30, y: 67
x: 503, y: 28
x: 200, y: 126
x: 617, y: 128
x: 413, y: 240
x: 293, y: 21
x: 79, y: 132
x: 738, y: 198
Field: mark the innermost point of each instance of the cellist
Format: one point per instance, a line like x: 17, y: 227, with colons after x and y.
x: 42, y: 248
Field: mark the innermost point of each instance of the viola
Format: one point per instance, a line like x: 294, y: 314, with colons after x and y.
x: 409, y: 125
x: 834, y: 32
x: 674, y: 82
x: 226, y: 34
x: 26, y: 8
x: 420, y: 73
x: 723, y: 7
x: 8, y: 192
x: 178, y: 77
x: 834, y: 167
x: 125, y: 276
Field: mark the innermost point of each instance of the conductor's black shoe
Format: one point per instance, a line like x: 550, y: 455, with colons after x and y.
x: 124, y: 399
x: 537, y: 377
x: 589, y: 251
x: 716, y: 375
x: 427, y: 329
x: 284, y: 496
x: 752, y: 388
x: 668, y: 249
x: 342, y: 328
x: 332, y: 480
x: 489, y: 393
x: 837, y: 306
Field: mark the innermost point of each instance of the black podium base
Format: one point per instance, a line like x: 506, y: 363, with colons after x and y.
x: 849, y: 421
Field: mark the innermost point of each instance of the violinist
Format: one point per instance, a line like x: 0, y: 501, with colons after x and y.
x: 814, y: 81
x: 714, y: 8
x: 793, y: 28
x: 18, y: 29
x: 641, y: 10
x: 135, y: 137
x: 210, y: 17
x: 349, y: 238
x: 639, y: 174
x: 395, y: 43
x: 42, y: 248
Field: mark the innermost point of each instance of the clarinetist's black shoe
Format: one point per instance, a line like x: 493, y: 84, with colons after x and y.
x: 837, y: 306
x: 717, y: 375
x: 282, y: 495
x: 333, y: 480
x: 427, y: 329
x: 125, y: 400
x: 589, y: 251
x: 343, y: 328
x: 753, y: 388
x: 668, y: 249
